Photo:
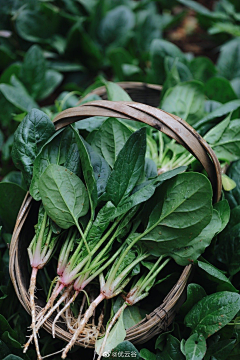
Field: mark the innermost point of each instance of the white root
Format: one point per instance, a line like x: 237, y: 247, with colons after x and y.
x: 83, y: 323
x: 40, y: 323
x: 112, y: 322
x: 33, y: 313
x: 58, y: 288
x: 63, y: 310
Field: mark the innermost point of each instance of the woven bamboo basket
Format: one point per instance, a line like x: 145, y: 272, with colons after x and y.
x: 159, y: 319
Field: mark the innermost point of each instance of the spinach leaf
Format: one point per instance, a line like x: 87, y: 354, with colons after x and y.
x: 191, y: 252
x: 127, y: 169
x: 109, y: 139
x: 172, y: 350
x: 159, y: 49
x: 219, y: 89
x: 219, y: 111
x: 33, y: 70
x: 60, y: 149
x: 126, y: 349
x: 35, y: 129
x: 228, y: 59
x: 185, y: 100
x: 228, y: 252
x: 64, y: 196
x: 213, y: 312
x: 115, y: 27
x: 147, y: 355
x: 88, y: 172
x: 202, y: 68
x: 115, y: 92
x: 12, y: 196
x: 233, y: 196
x: 195, y: 293
x: 195, y: 347
x: 180, y: 215
x: 215, y: 275
x: 225, y: 139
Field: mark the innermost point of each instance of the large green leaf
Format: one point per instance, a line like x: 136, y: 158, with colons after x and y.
x: 225, y: 139
x: 64, y: 195
x: 195, y: 293
x: 60, y: 149
x: 225, y: 109
x: 51, y: 81
x: 195, y: 347
x: 215, y: 275
x: 181, y: 214
x: 33, y: 70
x: 126, y: 349
x: 202, y: 68
x: 31, y: 25
x: 185, y: 100
x: 18, y: 96
x: 233, y: 196
x: 229, y: 58
x: 128, y: 168
x: 109, y: 139
x: 219, y: 89
x: 35, y: 129
x: 191, y: 252
x: 159, y: 49
x: 87, y: 169
x: 172, y: 350
x: 116, y: 26
x: 228, y: 252
x: 12, y: 196
x: 213, y: 312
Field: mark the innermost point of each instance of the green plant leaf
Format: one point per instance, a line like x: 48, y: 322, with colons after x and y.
x: 35, y: 129
x: 115, y: 92
x: 213, y: 312
x: 60, y: 149
x: 233, y: 196
x: 229, y: 58
x: 128, y: 167
x: 221, y: 349
x: 185, y: 100
x: 116, y: 26
x: 225, y: 109
x: 191, y: 252
x: 87, y: 169
x: 181, y: 215
x: 228, y: 252
x: 202, y: 69
x: 159, y: 49
x: 116, y: 336
x: 195, y: 293
x: 126, y: 349
x: 219, y: 89
x: 18, y: 96
x: 172, y: 350
x: 109, y: 139
x: 33, y: 70
x: 12, y: 196
x: 195, y: 347
x: 215, y: 275
x: 51, y: 81
x: 147, y: 355
x: 64, y: 195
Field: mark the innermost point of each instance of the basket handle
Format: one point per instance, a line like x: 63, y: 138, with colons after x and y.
x: 169, y: 124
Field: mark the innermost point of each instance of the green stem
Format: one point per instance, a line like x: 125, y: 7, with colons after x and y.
x: 145, y: 283
x: 83, y: 237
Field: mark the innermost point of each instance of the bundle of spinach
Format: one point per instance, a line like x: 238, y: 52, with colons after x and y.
x: 115, y: 212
